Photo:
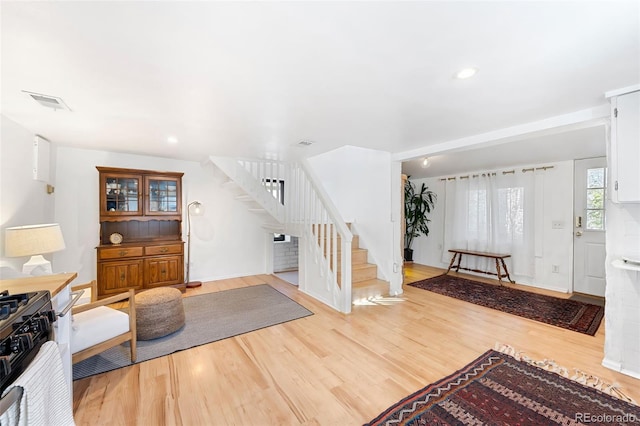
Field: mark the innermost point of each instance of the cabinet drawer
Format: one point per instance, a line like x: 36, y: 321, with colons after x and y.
x: 164, y: 249
x: 119, y: 252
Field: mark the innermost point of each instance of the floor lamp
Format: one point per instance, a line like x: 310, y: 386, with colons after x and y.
x: 196, y: 211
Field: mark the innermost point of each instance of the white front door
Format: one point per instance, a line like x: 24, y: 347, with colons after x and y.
x: 589, y: 226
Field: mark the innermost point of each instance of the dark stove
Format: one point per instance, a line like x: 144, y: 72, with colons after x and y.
x: 25, y: 324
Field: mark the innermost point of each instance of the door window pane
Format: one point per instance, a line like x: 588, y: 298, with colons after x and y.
x: 595, y: 198
x: 595, y: 219
x: 596, y: 192
x: 595, y: 178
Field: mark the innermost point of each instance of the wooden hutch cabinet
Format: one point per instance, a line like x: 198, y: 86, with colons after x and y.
x: 140, y: 230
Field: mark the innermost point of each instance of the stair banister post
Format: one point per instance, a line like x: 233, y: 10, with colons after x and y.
x: 346, y: 279
x: 343, y: 230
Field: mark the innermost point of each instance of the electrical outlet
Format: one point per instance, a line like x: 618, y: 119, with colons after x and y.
x: 555, y: 269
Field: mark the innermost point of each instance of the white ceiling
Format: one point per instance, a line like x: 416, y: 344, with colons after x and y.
x: 570, y: 145
x: 255, y: 78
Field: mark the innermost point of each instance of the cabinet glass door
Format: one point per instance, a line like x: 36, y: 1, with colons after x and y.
x: 121, y: 195
x: 163, y: 196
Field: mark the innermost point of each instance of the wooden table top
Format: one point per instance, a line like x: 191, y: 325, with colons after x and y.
x: 480, y: 253
x: 54, y: 283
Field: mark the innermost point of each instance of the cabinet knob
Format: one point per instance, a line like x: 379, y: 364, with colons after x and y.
x: 164, y: 250
x: 123, y: 252
x: 122, y: 277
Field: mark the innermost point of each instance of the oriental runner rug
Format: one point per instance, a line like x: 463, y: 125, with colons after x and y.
x: 500, y: 389
x: 570, y: 314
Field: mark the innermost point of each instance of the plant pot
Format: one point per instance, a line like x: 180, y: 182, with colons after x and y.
x: 408, y: 255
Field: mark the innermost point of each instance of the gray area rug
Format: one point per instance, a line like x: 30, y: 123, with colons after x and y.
x: 208, y: 317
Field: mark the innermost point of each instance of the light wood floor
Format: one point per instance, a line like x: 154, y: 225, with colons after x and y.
x: 328, y: 368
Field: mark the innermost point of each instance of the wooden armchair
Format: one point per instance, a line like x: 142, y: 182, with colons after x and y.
x: 96, y: 327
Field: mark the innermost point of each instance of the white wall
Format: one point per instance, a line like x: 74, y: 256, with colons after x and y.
x: 622, y: 311
x: 226, y: 241
x: 363, y: 185
x: 554, y: 202
x: 285, y: 255
x: 23, y: 201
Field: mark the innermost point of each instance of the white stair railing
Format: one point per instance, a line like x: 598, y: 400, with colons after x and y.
x: 309, y: 213
x: 250, y: 176
x: 327, y: 240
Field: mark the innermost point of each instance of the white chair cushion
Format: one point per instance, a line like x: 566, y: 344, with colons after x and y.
x: 96, y: 326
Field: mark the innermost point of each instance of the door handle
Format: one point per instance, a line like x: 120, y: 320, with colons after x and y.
x: 578, y: 233
x: 76, y: 296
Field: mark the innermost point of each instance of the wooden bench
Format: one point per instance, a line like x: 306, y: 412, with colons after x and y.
x: 499, y: 258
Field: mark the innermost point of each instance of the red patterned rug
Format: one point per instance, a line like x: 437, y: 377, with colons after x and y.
x: 570, y: 314
x: 498, y: 389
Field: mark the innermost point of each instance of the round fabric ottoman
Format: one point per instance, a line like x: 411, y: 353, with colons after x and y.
x: 159, y: 312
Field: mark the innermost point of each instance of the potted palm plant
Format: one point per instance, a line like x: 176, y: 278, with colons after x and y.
x: 417, y: 205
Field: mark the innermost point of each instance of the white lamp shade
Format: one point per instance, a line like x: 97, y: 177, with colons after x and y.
x: 195, y: 208
x: 33, y: 240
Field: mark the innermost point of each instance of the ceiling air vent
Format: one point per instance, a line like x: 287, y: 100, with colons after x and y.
x: 305, y: 143
x: 48, y: 101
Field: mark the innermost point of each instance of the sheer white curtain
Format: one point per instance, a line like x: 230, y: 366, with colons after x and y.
x: 492, y: 213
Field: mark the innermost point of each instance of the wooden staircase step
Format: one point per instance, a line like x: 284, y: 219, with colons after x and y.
x: 361, y: 272
x: 358, y: 256
x: 371, y: 282
x: 369, y: 289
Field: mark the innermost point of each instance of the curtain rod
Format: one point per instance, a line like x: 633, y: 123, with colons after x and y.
x: 505, y: 172
x: 543, y: 168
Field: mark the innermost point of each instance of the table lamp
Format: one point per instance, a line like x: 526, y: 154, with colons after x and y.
x: 34, y: 241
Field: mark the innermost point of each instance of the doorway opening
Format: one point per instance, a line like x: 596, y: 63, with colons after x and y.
x: 285, y: 258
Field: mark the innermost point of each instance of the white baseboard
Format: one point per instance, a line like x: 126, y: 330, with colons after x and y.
x: 396, y: 292
x: 612, y: 365
x: 479, y: 274
x: 634, y: 374
x: 546, y: 287
x: 229, y: 276
x: 616, y: 366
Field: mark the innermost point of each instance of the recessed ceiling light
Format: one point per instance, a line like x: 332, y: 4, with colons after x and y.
x: 466, y: 73
x: 425, y: 162
x: 48, y: 101
x: 172, y: 139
